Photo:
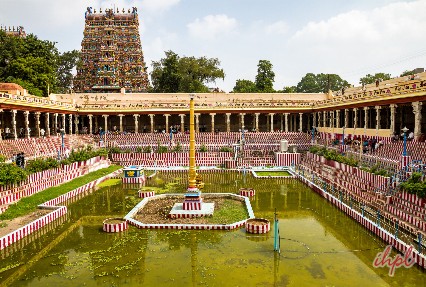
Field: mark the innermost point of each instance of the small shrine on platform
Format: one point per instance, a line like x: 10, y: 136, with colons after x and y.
x: 133, y: 174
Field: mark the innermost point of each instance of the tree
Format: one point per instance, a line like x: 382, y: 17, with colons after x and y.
x: 411, y: 72
x: 165, y: 75
x: 186, y: 75
x: 244, y: 86
x: 66, y: 63
x: 289, y: 89
x: 34, y: 64
x: 320, y: 83
x: 370, y: 79
x: 308, y: 84
x: 265, y: 77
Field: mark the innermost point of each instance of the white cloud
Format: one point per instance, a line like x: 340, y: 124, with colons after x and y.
x: 154, y: 49
x: 212, y: 26
x: 349, y: 42
x: 279, y: 28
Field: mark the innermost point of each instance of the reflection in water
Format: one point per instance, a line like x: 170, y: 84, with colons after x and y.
x: 320, y: 246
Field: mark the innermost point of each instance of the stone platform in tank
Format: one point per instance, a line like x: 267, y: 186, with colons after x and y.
x: 167, y: 222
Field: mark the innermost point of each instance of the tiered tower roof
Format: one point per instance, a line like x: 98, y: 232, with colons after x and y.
x: 111, y: 53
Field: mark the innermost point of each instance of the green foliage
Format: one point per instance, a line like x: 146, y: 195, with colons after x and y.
x: 314, y: 149
x: 225, y: 149
x: 416, y: 177
x: 29, y: 204
x: 244, y: 86
x: 230, y: 211
x: 84, y: 154
x: 139, y: 149
x: 175, y: 74
x: 370, y: 79
x: 66, y: 63
x: 273, y: 173
x: 333, y: 155
x: 265, y: 77
x: 147, y: 149
x: 161, y: 148
x: 3, y: 158
x: 202, y: 148
x: 35, y: 64
x: 289, y: 90
x: 177, y: 147
x: 65, y: 161
x: 415, y: 185
x: 100, y: 152
x: 41, y: 164
x: 30, y: 87
x: 114, y: 149
x: 350, y: 160
x: 320, y: 83
x: 11, y: 174
x: 263, y: 83
x: 408, y: 73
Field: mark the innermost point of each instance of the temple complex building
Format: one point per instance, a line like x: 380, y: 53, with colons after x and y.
x: 14, y: 31
x: 371, y: 111
x: 111, y: 53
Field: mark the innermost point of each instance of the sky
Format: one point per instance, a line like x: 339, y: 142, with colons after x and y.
x: 350, y: 38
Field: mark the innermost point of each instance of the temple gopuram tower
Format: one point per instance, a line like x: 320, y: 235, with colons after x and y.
x: 111, y: 53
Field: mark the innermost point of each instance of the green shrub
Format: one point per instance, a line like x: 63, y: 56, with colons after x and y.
x: 415, y: 185
x: 374, y: 168
x: 102, y: 152
x: 415, y: 177
x: 114, y: 149
x: 382, y: 172
x: 41, y: 164
x: 202, y: 148
x: 84, y: 154
x: 147, y: 149
x: 225, y: 149
x: 139, y: 149
x: 3, y: 158
x: 161, y: 149
x: 177, y: 147
x: 314, y: 149
x: 11, y: 174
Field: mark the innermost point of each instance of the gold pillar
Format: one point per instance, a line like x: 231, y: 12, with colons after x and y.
x: 192, y: 172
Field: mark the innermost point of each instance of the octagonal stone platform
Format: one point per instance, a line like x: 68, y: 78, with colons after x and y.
x: 129, y: 217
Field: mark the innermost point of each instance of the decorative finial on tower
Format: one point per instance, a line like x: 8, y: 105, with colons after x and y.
x: 100, y: 10
x: 124, y: 11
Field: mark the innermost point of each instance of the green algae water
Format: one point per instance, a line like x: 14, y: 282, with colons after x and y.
x: 320, y: 246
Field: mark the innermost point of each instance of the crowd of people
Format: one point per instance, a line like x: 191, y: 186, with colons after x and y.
x: 369, y: 145
x: 397, y: 137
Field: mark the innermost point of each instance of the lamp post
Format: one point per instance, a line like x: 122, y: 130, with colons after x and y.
x: 242, y: 133
x: 313, y: 134
x: 62, y: 137
x: 404, y: 151
x: 343, y: 140
x: 242, y: 142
